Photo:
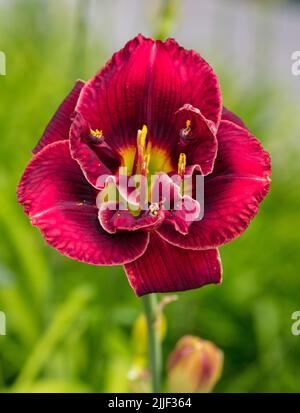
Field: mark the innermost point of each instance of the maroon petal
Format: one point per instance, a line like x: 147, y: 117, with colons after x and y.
x: 60, y: 201
x: 232, y: 117
x: 146, y: 82
x: 232, y: 193
x: 183, y: 218
x: 199, y: 142
x: 59, y: 126
x: 166, y: 268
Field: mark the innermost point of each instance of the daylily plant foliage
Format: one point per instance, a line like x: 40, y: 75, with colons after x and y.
x: 151, y: 119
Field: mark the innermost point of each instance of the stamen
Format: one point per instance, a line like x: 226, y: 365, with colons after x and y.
x: 143, y: 151
x: 145, y: 164
x: 181, y: 164
x: 97, y: 133
x: 185, y: 131
x: 148, y: 148
x: 95, y: 136
x: 141, y: 137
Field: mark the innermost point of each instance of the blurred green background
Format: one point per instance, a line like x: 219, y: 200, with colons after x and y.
x: 69, y: 325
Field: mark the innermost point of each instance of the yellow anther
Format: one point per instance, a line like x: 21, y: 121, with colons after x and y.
x: 143, y: 151
x: 184, y: 132
x: 181, y: 164
x: 96, y: 133
x: 187, y: 128
x: 141, y: 136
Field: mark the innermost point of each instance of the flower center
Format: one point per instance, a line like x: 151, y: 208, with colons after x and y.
x: 140, y: 164
x: 145, y: 158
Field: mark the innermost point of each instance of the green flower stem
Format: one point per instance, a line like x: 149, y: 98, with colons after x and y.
x: 154, y: 342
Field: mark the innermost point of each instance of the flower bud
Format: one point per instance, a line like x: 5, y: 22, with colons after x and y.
x: 194, y: 366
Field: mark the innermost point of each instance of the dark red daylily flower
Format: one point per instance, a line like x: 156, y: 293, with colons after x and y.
x: 99, y: 128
